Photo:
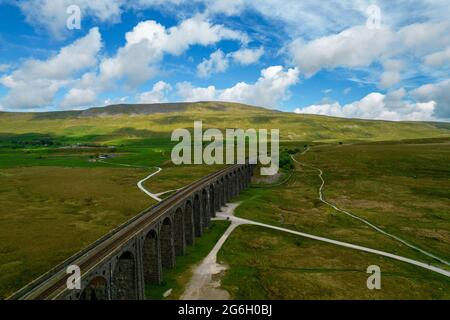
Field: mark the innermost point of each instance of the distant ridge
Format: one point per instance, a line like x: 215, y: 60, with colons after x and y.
x: 140, y: 109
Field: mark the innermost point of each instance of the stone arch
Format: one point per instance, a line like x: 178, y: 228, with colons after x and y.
x: 222, y: 192
x: 180, y: 244
x: 151, y: 256
x: 231, y: 185
x: 124, y: 278
x: 238, y: 181
x: 217, y: 197
x: 242, y: 179
x: 212, y: 200
x: 189, y: 232
x: 247, y: 178
x: 226, y: 189
x: 97, y: 289
x: 235, y: 186
x: 198, y: 219
x: 205, y: 210
x: 167, y: 244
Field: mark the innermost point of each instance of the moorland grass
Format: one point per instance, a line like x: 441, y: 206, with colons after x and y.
x: 400, y: 188
x: 269, y: 264
x: 49, y: 213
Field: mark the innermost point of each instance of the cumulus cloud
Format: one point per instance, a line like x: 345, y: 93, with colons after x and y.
x: 439, y: 58
x: 41, y: 79
x: 138, y: 60
x: 147, y: 43
x: 189, y: 93
x: 216, y: 63
x: 52, y: 15
x: 246, y: 56
x: 376, y: 106
x: 219, y: 62
x: 438, y: 92
x: 78, y: 98
x: 360, y: 47
x: 354, y: 47
x: 425, y: 37
x: 269, y: 90
x: 158, y: 93
x: 175, y: 40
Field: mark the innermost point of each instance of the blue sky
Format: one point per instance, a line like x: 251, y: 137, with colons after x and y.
x: 364, y: 59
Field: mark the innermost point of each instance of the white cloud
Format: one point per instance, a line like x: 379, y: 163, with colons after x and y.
x: 216, y: 63
x: 4, y: 67
x: 361, y: 47
x: 76, y: 56
x: 149, y: 41
x: 78, y: 98
x: 391, y: 74
x: 439, y: 58
x: 424, y: 37
x: 138, y: 60
x: 51, y: 15
x: 248, y: 56
x: 310, y: 17
x: 317, y: 18
x: 270, y: 89
x: 189, y: 93
x: 376, y: 106
x: 354, y: 47
x: 438, y: 92
x: 116, y: 100
x: 41, y: 80
x: 228, y: 7
x: 158, y: 93
x: 177, y: 39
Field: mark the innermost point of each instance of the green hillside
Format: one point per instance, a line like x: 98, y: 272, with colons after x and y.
x: 112, y: 123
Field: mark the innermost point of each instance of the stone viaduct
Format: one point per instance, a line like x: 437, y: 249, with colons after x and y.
x: 121, y: 264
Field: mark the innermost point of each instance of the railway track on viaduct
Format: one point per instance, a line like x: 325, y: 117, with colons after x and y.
x: 119, y: 265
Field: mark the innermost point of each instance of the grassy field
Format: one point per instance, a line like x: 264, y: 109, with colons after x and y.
x: 402, y: 188
x: 49, y: 213
x: 177, y: 278
x: 398, y: 187
x: 56, y: 199
x: 307, y: 269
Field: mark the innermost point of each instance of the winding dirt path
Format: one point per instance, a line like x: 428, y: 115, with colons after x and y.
x: 371, y: 225
x: 205, y: 282
x: 150, y: 194
x: 140, y: 184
